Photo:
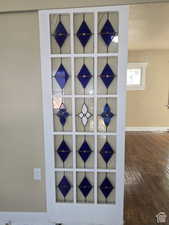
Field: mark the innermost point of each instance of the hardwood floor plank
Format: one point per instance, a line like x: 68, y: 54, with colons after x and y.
x: 146, y: 177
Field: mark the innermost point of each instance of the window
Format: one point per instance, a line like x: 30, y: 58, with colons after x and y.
x: 136, y: 76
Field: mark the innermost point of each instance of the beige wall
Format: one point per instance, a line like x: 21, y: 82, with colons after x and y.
x: 21, y: 136
x: 21, y: 130
x: 147, y: 108
x: 8, y: 5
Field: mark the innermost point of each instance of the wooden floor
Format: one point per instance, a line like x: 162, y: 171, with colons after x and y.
x: 146, y: 177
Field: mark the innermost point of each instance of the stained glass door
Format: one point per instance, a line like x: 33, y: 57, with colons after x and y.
x: 84, y: 61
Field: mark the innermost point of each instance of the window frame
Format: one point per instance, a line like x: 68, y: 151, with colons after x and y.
x: 143, y: 67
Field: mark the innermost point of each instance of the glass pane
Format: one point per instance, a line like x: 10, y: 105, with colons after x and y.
x: 84, y: 114
x: 60, y: 33
x: 134, y: 76
x: 63, y: 151
x: 64, y: 186
x: 83, y: 33
x: 85, y: 187
x: 107, y: 75
x: 62, y: 113
x: 107, y: 113
x: 106, y: 188
x: 84, y: 73
x: 108, y: 29
x: 106, y: 152
x: 62, y: 77
x: 85, y: 151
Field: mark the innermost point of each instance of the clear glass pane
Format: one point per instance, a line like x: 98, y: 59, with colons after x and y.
x: 84, y: 76
x: 106, y: 152
x: 85, y: 187
x: 85, y: 151
x: 63, y: 151
x: 107, y: 114
x: 60, y: 33
x: 84, y: 114
x: 83, y: 33
x: 106, y: 188
x: 64, y: 186
x: 62, y: 77
x: 108, y: 29
x: 62, y: 113
x: 107, y: 75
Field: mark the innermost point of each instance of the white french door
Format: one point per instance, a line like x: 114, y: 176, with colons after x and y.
x: 83, y: 62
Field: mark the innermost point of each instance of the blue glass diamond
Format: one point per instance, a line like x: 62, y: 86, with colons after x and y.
x: 84, y: 33
x: 106, y: 152
x: 64, y: 186
x: 107, y: 115
x: 63, y: 151
x: 107, y: 75
x: 107, y: 33
x: 60, y: 34
x: 85, y: 187
x: 62, y: 114
x: 61, y: 76
x: 106, y: 187
x: 85, y: 151
x: 84, y: 76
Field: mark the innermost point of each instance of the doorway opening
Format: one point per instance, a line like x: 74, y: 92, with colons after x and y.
x: 147, y: 117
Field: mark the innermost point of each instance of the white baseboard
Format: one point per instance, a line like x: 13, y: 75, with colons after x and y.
x: 21, y: 218
x: 152, y: 129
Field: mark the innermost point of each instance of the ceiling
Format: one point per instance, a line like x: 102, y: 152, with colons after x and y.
x: 149, y: 26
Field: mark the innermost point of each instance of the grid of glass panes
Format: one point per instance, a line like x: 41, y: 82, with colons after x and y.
x: 84, y: 61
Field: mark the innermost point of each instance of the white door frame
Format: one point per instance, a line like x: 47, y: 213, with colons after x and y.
x: 116, y: 211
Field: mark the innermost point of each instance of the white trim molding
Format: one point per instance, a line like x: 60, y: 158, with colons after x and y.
x: 151, y: 129
x: 24, y: 218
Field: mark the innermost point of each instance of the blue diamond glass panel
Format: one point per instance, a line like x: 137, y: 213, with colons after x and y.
x: 107, y: 33
x: 84, y: 33
x: 63, y: 151
x: 60, y: 34
x: 61, y: 76
x: 84, y: 76
x: 107, y: 75
x: 64, y: 186
x: 106, y: 152
x: 85, y: 151
x: 106, y: 187
x: 85, y: 187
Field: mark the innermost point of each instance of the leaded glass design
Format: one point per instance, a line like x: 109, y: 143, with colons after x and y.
x: 62, y: 114
x: 107, y: 114
x: 106, y: 152
x: 84, y: 115
x: 108, y: 33
x: 84, y: 33
x: 84, y: 105
x: 107, y: 75
x: 84, y: 76
x: 108, y: 30
x: 63, y: 151
x: 61, y: 76
x: 85, y: 187
x: 64, y: 186
x: 85, y: 151
x: 60, y: 34
x: 106, y: 187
